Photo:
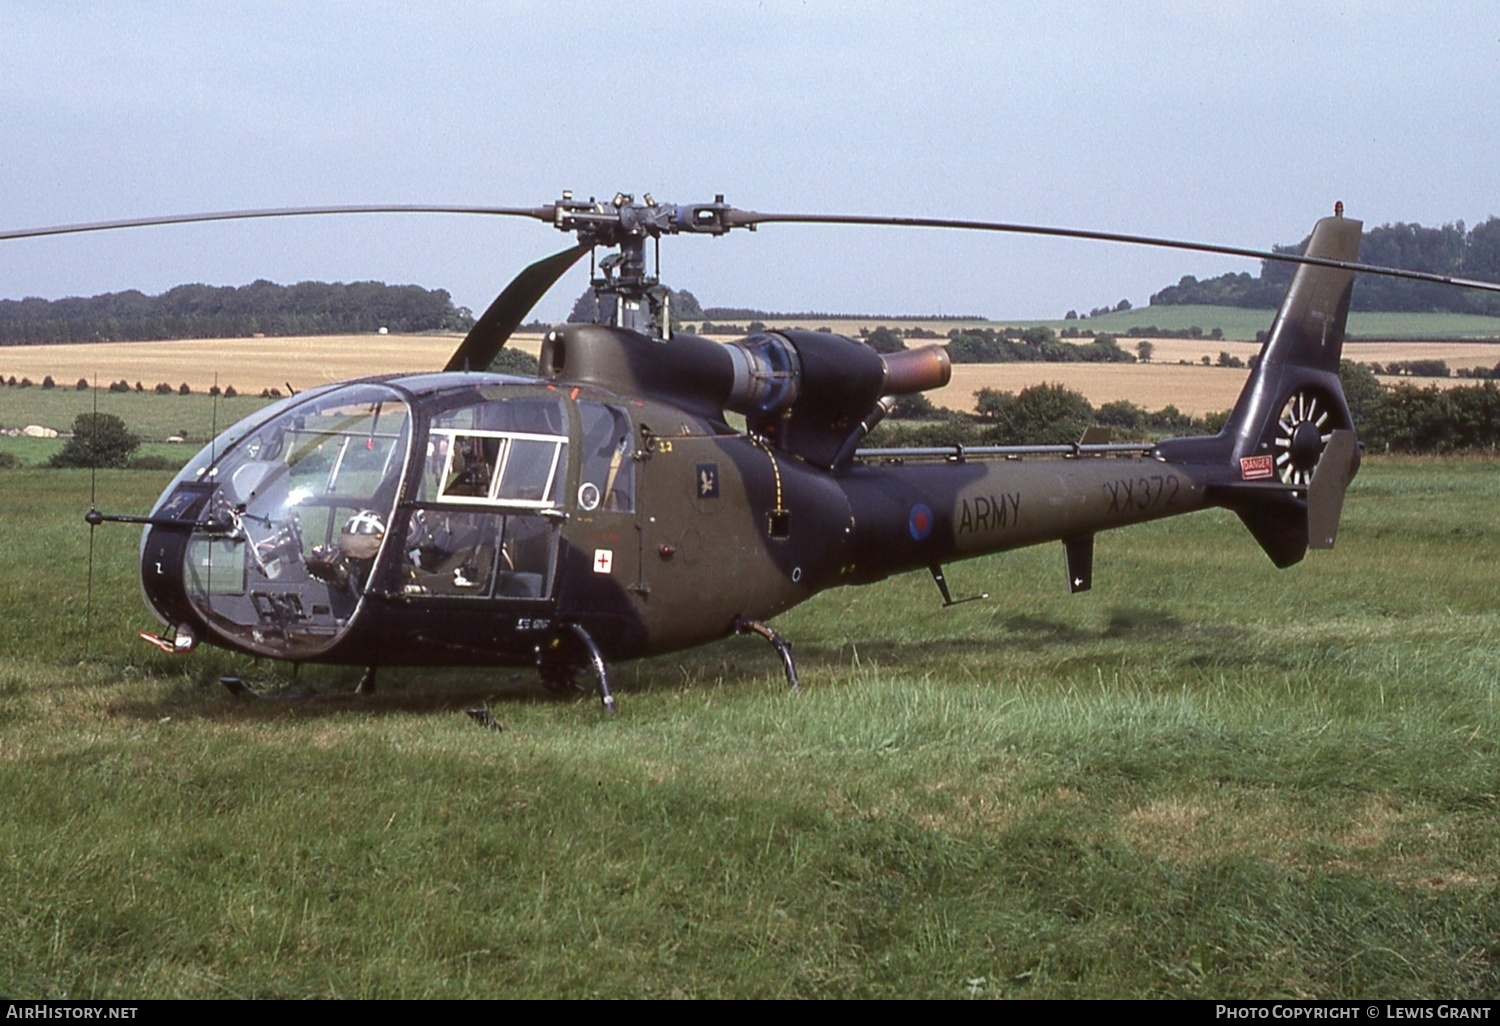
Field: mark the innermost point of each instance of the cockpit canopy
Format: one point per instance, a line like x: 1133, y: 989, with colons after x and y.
x: 421, y: 489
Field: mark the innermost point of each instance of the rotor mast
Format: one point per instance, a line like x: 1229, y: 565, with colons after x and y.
x: 629, y: 291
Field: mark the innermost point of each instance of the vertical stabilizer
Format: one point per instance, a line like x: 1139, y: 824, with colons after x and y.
x: 1300, y: 360
x: 1290, y: 410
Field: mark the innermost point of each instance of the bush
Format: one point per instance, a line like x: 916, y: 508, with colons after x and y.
x: 162, y: 388
x: 916, y: 407
x: 9, y: 461
x: 884, y: 340
x: 47, y: 382
x: 83, y: 385
x: 183, y: 389
x: 99, y: 440
x: 514, y: 361
x: 1039, y: 414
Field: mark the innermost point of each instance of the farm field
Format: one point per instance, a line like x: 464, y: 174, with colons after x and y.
x: 251, y: 365
x: 1205, y: 778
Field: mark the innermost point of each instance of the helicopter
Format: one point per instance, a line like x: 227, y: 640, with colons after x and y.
x: 652, y: 490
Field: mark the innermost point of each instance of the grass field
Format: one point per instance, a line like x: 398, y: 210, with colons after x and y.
x: 1205, y: 778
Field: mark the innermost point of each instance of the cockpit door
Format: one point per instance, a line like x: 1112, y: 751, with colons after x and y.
x: 485, y: 522
x: 602, y: 558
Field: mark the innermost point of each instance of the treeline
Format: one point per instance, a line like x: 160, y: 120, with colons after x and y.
x: 209, y: 311
x: 745, y: 313
x: 1045, y: 414
x: 1399, y: 418
x: 1450, y: 250
x: 1421, y: 419
x: 1030, y: 345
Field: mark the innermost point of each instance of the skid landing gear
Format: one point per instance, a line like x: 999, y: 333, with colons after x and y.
x: 744, y: 625
x: 557, y: 669
x: 240, y: 688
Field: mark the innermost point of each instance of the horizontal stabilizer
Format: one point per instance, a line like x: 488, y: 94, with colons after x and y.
x: 1325, y: 495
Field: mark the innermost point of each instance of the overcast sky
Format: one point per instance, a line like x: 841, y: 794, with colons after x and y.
x: 1232, y: 123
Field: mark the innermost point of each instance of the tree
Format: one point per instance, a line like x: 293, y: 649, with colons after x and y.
x: 585, y: 309
x: 1040, y: 414
x: 1144, y: 349
x: 1363, y: 392
x: 884, y: 340
x: 99, y: 440
x: 686, y: 305
x: 514, y: 361
x: 915, y: 407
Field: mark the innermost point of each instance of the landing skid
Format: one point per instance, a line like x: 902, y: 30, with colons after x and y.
x: 557, y: 671
x: 240, y: 688
x: 744, y: 625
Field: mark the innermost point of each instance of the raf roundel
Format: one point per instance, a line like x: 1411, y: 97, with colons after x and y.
x: 920, y: 522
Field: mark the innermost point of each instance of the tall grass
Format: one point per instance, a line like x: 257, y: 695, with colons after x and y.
x: 1204, y: 778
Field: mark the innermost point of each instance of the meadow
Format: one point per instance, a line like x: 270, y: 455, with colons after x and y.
x: 1205, y: 778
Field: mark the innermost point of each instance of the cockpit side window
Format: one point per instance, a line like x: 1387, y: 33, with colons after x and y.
x: 510, y: 452
x: 607, y: 479
x: 497, y: 468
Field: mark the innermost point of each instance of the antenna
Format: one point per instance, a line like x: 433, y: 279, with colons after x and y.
x: 93, y: 521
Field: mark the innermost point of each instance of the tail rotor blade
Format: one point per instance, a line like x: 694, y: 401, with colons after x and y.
x: 490, y: 333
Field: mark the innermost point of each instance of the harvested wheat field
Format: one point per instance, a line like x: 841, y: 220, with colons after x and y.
x: 1176, y: 375
x: 249, y: 364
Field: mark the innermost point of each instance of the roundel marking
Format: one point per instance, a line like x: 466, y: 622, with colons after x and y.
x: 920, y: 522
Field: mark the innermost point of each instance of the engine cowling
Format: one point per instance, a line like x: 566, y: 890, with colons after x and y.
x: 808, y: 392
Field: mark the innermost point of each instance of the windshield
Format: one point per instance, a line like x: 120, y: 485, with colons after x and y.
x: 300, y: 502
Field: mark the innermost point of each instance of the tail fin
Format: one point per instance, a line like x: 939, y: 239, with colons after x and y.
x: 1291, y: 423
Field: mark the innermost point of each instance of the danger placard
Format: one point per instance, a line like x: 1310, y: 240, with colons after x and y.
x: 1253, y: 468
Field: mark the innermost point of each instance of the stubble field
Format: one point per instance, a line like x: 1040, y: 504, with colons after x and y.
x: 254, y: 364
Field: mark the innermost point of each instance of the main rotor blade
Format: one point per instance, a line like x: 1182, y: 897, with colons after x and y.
x: 751, y: 218
x: 544, y: 213
x: 494, y: 328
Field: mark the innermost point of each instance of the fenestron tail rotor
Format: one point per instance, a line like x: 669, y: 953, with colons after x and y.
x: 1302, y: 431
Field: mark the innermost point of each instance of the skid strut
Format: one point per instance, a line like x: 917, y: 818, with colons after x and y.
x: 744, y: 625
x: 558, y: 670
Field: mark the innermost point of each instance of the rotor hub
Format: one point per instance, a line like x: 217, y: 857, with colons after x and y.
x: 1307, y: 446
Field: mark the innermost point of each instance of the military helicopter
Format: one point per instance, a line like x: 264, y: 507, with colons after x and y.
x: 608, y: 509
